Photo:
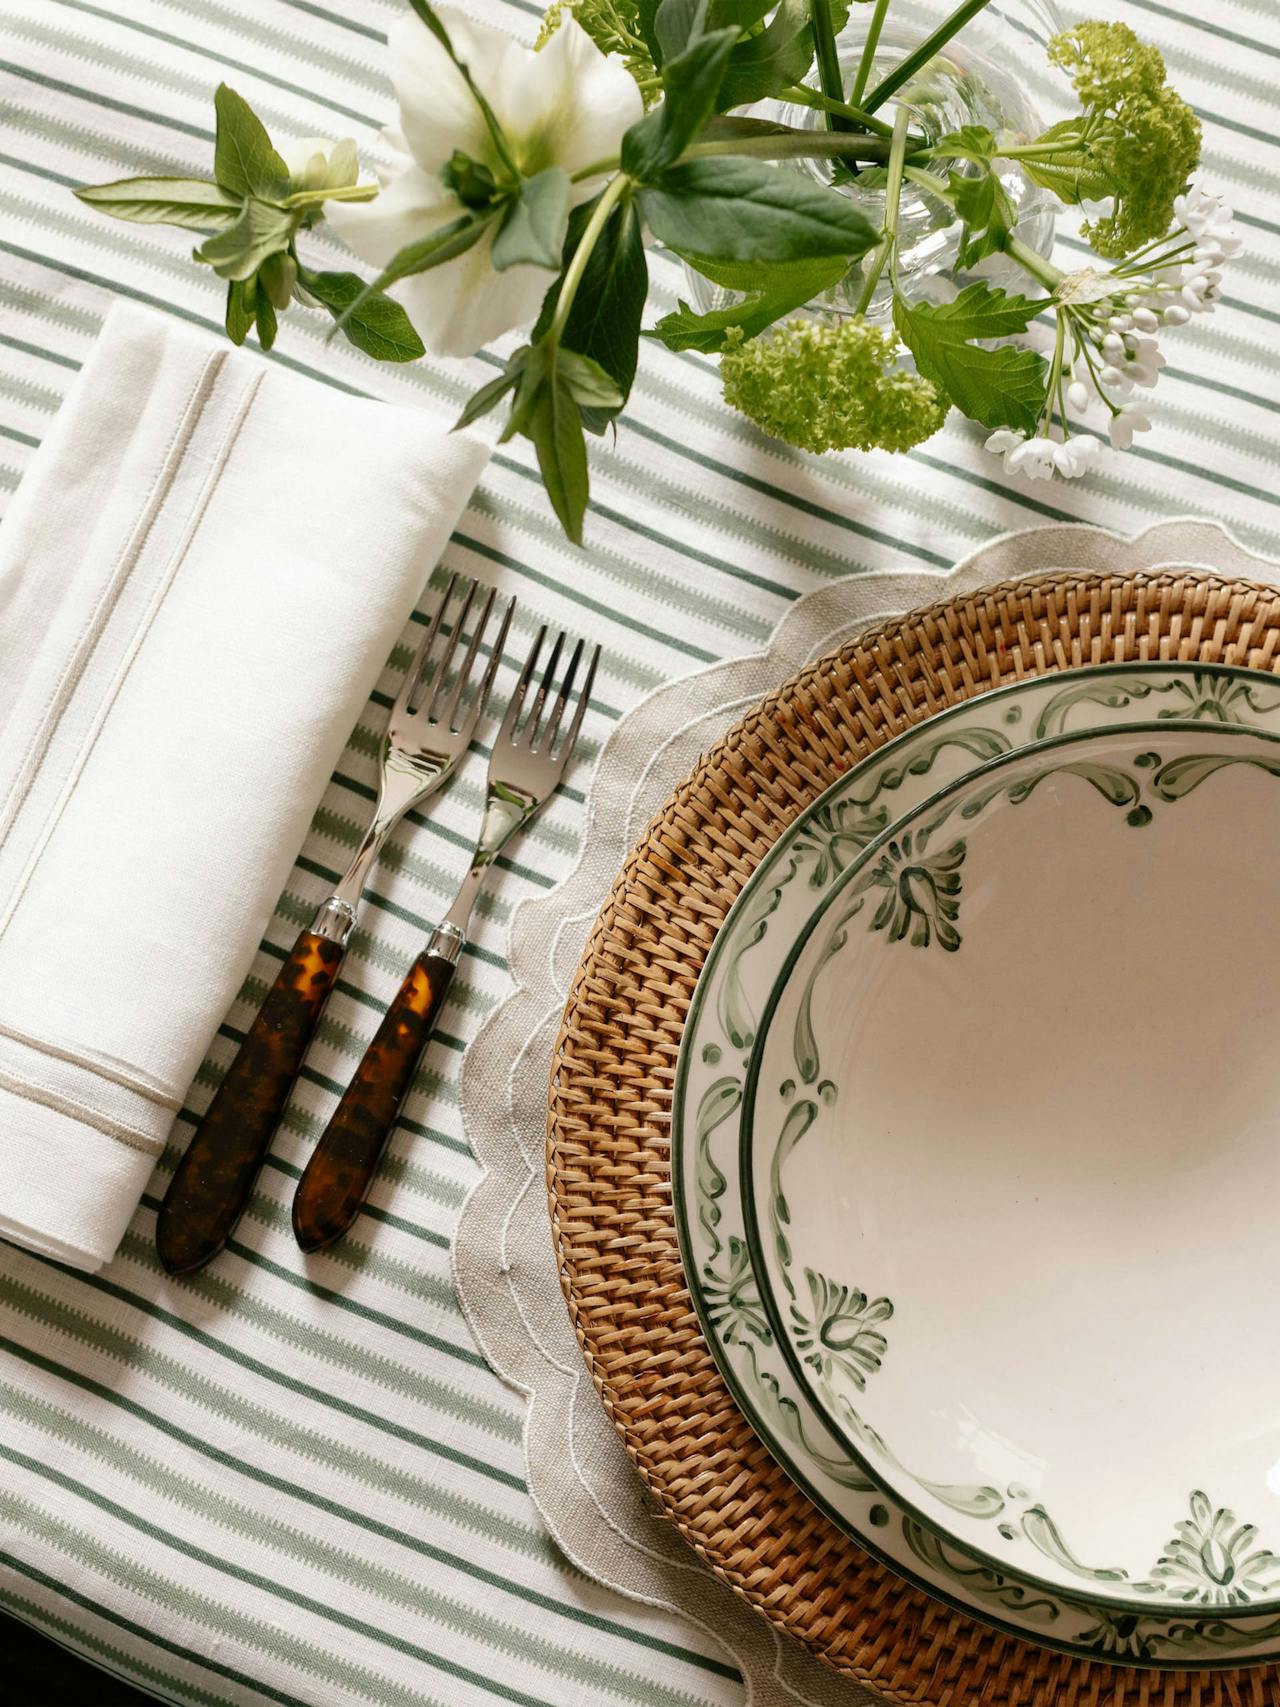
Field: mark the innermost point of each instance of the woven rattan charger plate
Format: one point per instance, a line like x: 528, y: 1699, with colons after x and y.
x: 610, y: 1094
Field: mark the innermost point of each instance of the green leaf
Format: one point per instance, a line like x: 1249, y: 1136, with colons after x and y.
x: 676, y: 23
x: 734, y: 209
x: 589, y: 384
x: 489, y: 396
x: 533, y: 228
x: 260, y: 231
x: 240, y: 305
x: 428, y: 15
x: 1002, y: 387
x: 765, y: 63
x: 555, y: 426
x: 1072, y: 173
x: 196, y: 203
x: 787, y: 287
x: 692, y: 84
x: 264, y: 316
x: 604, y: 322
x: 970, y: 142
x: 307, y: 199
x: 445, y: 243
x: 742, y: 14
x: 379, y: 326
x: 244, y: 162
x: 982, y: 311
x: 988, y: 214
x: 276, y: 278
x: 646, y: 23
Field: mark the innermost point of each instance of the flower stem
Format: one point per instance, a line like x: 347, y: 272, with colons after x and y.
x: 612, y: 193
x: 809, y: 144
x: 1044, y: 272
x: 824, y: 42
x: 868, y: 52
x: 921, y: 56
x: 806, y: 97
x: 892, y: 202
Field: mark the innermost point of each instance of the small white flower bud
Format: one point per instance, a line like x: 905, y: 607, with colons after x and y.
x: 1078, y: 395
x: 1145, y: 320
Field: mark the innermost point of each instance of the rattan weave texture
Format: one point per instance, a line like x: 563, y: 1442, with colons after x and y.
x: 611, y: 1081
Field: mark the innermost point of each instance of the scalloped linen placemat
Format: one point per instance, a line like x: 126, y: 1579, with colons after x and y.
x: 851, y: 677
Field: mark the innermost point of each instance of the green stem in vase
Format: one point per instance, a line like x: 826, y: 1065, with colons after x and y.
x: 917, y: 60
x: 1044, y: 272
x: 803, y: 96
x: 869, y: 46
x: 892, y: 204
x: 824, y: 42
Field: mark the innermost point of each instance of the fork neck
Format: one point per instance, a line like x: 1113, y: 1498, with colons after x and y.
x: 506, y: 811
x: 337, y: 916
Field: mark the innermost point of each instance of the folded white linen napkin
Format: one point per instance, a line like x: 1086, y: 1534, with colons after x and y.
x: 201, y: 577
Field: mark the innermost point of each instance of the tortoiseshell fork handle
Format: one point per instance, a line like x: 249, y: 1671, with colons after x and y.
x: 212, y: 1182
x: 337, y: 1178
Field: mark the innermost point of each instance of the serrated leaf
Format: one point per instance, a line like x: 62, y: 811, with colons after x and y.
x: 533, y: 228
x: 787, y: 287
x: 1001, y: 387
x: 197, y: 204
x: 744, y: 210
x: 970, y: 142
x: 1072, y: 173
x: 244, y: 162
x: 379, y: 326
x: 260, y: 230
x: 762, y: 65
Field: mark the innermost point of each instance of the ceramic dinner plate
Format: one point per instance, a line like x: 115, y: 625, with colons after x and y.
x: 1000, y: 1098
x: 1215, y: 1623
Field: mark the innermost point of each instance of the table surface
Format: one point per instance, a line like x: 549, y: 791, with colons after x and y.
x: 257, y: 1485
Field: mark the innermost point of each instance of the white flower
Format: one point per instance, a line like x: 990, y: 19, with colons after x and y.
x: 1003, y: 442
x: 1126, y: 422
x: 1144, y: 361
x: 565, y: 106
x: 1078, y: 395
x: 1036, y: 458
x: 1075, y: 456
x: 315, y: 164
x: 1207, y: 216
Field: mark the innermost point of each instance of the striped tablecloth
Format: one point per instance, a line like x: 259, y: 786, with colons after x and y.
x: 256, y: 1485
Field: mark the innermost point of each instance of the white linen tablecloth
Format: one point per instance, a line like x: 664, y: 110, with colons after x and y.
x: 281, y: 1483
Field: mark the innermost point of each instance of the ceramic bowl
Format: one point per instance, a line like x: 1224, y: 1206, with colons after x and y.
x: 1010, y: 1155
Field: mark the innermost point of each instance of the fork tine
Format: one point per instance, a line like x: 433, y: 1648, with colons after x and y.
x: 518, y: 692
x: 495, y: 657
x: 571, y: 737
x: 548, y: 676
x: 548, y: 735
x: 455, y: 639
x: 450, y: 712
x: 412, y: 676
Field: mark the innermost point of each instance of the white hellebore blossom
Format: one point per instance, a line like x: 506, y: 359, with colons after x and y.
x: 315, y: 164
x: 567, y: 105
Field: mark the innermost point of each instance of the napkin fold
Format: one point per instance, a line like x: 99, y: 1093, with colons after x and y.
x: 201, y: 577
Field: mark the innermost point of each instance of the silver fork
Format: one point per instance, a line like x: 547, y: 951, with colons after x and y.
x: 526, y: 764
x: 428, y: 731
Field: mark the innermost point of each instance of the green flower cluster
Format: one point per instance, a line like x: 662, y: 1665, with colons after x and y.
x: 830, y: 386
x: 614, y: 26
x: 1143, y: 136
